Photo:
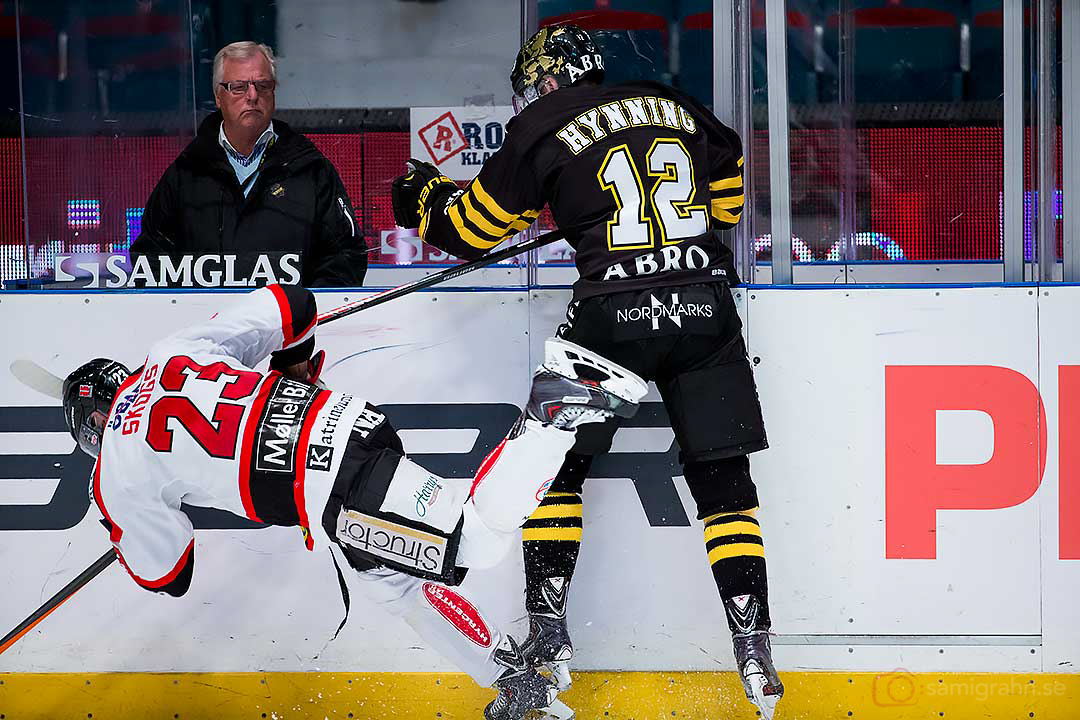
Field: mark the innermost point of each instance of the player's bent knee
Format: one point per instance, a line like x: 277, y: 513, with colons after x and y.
x: 389, y: 589
x: 482, y: 546
x: 721, y: 485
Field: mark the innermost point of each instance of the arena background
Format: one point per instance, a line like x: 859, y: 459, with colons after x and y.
x: 916, y: 356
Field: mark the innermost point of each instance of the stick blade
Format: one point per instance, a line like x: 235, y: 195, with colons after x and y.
x: 35, y: 377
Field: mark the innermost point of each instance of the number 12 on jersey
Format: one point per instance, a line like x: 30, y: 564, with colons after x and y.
x: 670, y: 213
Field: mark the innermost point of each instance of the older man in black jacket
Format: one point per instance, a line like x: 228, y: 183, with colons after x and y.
x: 249, y: 185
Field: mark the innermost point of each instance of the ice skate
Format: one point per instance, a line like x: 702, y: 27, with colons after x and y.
x: 753, y: 654
x: 521, y: 688
x: 574, y: 387
x: 548, y: 645
x: 558, y: 710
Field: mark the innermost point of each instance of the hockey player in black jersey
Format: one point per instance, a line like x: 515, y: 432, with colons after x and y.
x: 664, y: 175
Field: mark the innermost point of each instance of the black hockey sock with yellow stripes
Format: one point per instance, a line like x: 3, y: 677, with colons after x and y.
x: 737, y: 556
x: 551, y: 538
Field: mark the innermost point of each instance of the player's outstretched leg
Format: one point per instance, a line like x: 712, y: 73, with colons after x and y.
x: 753, y: 653
x: 552, y: 534
x: 458, y: 630
x: 573, y: 387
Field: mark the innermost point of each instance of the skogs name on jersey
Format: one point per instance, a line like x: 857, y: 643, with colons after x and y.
x: 129, y: 410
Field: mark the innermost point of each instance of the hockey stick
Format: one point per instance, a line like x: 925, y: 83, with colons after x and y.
x: 450, y: 273
x: 35, y: 377
x: 58, y: 599
x: 32, y: 375
x: 38, y: 378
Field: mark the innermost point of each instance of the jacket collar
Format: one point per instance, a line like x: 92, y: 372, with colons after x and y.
x: 267, y: 136
x: 205, y: 152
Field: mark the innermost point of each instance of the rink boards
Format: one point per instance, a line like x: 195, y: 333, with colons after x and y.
x: 920, y: 500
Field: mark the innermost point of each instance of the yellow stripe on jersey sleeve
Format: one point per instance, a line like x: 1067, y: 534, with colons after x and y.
x: 726, y: 183
x: 489, y: 204
x: 477, y: 218
x: 726, y: 216
x: 727, y: 203
x: 468, y: 235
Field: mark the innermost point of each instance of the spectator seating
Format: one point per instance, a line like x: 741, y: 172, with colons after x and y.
x: 35, y: 34
x: 988, y: 50
x: 632, y: 34
x: 905, y: 52
x: 988, y: 47
x: 142, y: 61
x: 695, y: 50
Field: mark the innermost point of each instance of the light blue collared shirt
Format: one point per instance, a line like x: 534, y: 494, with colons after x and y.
x: 246, y: 167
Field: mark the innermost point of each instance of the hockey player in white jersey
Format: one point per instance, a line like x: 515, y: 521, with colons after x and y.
x: 197, y: 424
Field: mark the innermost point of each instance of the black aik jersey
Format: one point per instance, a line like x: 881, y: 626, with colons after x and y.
x: 648, y: 172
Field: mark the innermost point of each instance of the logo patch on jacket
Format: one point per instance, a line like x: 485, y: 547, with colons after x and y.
x: 277, y: 190
x: 459, y: 611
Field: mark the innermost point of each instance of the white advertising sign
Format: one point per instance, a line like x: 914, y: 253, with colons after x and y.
x: 1059, y: 386
x: 910, y: 499
x: 458, y: 139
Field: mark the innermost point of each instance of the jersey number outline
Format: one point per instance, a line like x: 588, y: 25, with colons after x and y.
x: 670, y: 198
x: 218, y: 435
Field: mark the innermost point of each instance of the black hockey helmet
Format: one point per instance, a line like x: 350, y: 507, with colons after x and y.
x: 88, y: 395
x: 565, y: 52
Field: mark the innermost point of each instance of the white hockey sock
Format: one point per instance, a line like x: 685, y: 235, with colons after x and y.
x: 508, y: 488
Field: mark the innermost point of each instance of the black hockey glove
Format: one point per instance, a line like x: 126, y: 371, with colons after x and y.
x: 415, y: 192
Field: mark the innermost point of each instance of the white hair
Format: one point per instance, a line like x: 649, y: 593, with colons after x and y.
x: 241, y: 51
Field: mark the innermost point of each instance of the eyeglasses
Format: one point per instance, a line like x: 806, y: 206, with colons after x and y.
x: 240, y: 87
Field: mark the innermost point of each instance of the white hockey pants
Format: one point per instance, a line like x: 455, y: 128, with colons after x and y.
x: 507, y: 489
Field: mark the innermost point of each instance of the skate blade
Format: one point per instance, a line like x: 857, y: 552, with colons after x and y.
x: 765, y: 703
x: 558, y: 710
x: 560, y: 673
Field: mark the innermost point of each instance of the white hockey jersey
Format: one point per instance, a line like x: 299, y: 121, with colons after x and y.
x: 196, y: 424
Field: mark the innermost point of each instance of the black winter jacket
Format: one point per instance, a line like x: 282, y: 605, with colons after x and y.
x: 298, y: 204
